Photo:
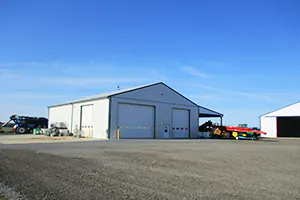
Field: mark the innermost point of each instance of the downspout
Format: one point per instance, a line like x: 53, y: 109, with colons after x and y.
x: 48, y: 118
x: 71, y: 119
x: 109, y: 116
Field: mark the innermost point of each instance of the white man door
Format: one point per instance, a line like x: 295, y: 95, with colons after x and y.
x: 181, y: 123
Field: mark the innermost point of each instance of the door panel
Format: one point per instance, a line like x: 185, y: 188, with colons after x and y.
x: 181, y: 121
x: 136, y: 121
x: 87, y: 120
x: 166, y: 133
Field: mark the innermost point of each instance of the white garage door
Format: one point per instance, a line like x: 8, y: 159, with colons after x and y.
x: 87, y: 120
x: 181, y: 121
x: 136, y: 121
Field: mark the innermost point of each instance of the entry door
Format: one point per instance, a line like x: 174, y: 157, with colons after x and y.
x: 181, y: 122
x: 136, y: 121
x: 87, y: 120
x: 166, y: 130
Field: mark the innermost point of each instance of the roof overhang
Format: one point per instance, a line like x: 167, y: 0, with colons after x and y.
x: 205, y: 112
x: 291, y: 110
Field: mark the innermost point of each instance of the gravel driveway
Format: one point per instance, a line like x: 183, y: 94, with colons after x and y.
x: 152, y: 169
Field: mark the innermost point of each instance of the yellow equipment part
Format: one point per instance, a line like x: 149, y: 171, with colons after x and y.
x: 217, y: 131
x: 235, y: 134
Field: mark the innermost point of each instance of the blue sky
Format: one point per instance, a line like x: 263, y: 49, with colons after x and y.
x: 241, y: 58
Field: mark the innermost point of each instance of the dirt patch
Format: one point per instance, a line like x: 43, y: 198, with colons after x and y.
x: 52, y: 138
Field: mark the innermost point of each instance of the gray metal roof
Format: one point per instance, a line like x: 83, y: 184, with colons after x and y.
x: 279, y: 109
x: 202, y: 111
x: 205, y: 112
x: 105, y: 95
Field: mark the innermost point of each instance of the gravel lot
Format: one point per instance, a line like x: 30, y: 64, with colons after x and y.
x: 152, y: 169
x: 30, y: 138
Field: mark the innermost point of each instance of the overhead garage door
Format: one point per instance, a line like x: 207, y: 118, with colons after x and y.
x: 181, y: 121
x: 288, y: 126
x: 136, y: 121
x: 87, y: 120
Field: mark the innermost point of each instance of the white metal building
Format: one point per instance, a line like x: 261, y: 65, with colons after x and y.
x: 150, y: 111
x: 284, y: 122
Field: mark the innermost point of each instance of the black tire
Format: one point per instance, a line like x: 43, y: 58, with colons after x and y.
x: 21, y: 130
x: 57, y: 133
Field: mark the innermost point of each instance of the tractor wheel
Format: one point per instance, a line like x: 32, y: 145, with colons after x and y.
x: 21, y: 130
x: 235, y: 134
x: 57, y: 133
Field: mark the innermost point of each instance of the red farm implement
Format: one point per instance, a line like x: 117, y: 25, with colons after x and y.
x: 231, y: 132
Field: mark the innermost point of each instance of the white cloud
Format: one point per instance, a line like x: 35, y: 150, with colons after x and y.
x: 194, y: 72
x: 206, y: 87
x: 89, y: 82
x: 258, y: 96
x: 157, y: 74
x: 26, y: 85
x: 60, y: 75
x: 24, y: 64
x: 252, y: 95
x: 32, y: 96
x: 203, y: 97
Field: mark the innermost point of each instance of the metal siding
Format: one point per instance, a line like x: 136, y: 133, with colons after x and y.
x: 135, y: 121
x: 61, y: 114
x: 163, y: 116
x: 181, y: 121
x: 100, y: 117
x: 269, y: 125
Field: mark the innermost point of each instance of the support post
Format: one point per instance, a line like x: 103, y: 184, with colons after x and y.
x: 221, y: 121
x: 118, y: 135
